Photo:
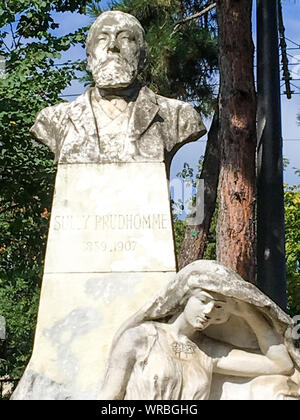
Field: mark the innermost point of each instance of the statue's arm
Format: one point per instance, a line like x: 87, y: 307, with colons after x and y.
x: 274, y: 358
x: 121, y: 363
x: 48, y: 126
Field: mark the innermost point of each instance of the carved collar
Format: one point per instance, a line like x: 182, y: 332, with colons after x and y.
x: 144, y: 111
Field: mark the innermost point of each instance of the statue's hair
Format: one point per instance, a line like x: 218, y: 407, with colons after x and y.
x: 209, y: 276
x: 131, y: 22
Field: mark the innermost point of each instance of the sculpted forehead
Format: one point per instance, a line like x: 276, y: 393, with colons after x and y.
x: 115, y: 21
x: 114, y: 28
x: 210, y: 295
x: 118, y: 19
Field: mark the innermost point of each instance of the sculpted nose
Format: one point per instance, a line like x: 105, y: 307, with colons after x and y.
x: 208, y: 309
x: 113, y: 46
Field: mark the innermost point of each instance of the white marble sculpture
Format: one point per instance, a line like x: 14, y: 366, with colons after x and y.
x: 110, y: 243
x: 118, y: 120
x: 207, y: 335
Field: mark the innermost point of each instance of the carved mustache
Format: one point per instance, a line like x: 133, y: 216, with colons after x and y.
x: 111, y: 58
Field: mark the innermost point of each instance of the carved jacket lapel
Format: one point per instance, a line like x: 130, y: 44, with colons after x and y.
x: 81, y: 114
x: 144, y: 112
x: 84, y: 136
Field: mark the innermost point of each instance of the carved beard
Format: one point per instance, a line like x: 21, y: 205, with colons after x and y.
x: 114, y: 72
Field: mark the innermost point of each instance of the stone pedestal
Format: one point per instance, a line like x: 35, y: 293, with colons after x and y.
x: 110, y: 247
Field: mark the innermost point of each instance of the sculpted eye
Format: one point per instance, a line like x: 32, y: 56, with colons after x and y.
x: 102, y: 37
x: 125, y: 36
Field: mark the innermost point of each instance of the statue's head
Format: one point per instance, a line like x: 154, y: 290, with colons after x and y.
x: 208, y: 284
x: 116, y: 50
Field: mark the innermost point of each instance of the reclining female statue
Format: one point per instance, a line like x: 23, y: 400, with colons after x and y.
x: 208, y: 335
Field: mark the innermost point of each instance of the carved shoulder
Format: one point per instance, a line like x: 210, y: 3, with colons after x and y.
x: 184, y: 123
x: 136, y: 337
x: 48, y: 125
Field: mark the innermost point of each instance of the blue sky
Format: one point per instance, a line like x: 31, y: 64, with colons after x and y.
x: 290, y: 108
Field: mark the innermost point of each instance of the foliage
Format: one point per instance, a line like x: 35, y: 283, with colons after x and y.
x: 179, y: 230
x: 292, y: 225
x: 19, y: 302
x: 31, y: 82
x: 183, y: 57
x: 189, y: 175
x: 292, y: 220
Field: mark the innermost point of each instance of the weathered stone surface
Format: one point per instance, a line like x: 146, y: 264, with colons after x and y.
x: 106, y: 253
x: 119, y: 120
x: 110, y: 243
x: 78, y: 317
x: 207, y: 335
x: 154, y: 125
x: 110, y: 218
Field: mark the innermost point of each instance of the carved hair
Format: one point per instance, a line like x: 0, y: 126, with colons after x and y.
x: 128, y: 20
x: 210, y: 276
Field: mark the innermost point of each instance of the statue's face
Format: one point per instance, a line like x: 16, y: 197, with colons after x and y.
x: 115, y: 54
x: 204, y: 309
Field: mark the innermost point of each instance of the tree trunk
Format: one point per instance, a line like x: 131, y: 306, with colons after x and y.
x: 194, y: 243
x: 237, y: 107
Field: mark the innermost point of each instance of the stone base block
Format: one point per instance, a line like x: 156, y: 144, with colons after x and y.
x: 78, y: 318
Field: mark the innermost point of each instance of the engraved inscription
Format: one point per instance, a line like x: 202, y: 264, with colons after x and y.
x: 111, y: 222
x: 103, y: 246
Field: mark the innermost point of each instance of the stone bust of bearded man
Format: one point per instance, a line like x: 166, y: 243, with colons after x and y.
x: 119, y: 119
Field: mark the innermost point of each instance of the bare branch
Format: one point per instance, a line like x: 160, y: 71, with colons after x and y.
x: 13, y: 35
x: 195, y: 16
